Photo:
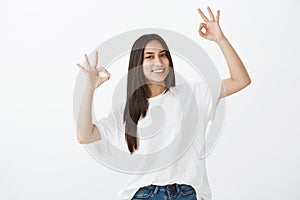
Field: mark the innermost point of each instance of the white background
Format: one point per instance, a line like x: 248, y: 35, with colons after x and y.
x: 258, y: 154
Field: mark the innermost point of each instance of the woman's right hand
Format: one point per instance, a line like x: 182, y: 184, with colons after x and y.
x: 95, y: 76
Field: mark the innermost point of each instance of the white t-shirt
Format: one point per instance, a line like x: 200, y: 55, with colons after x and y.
x: 184, y: 110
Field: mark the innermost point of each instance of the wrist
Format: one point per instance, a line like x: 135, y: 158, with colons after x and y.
x: 221, y: 40
x: 89, y: 89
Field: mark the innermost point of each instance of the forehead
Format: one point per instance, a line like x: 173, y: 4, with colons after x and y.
x: 154, y: 46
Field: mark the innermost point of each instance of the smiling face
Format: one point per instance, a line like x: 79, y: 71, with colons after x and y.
x: 155, y: 62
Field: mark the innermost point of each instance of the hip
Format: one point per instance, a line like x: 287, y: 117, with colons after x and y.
x: 171, y: 192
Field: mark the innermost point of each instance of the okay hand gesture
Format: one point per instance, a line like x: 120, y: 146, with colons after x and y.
x: 211, y: 29
x: 95, y: 76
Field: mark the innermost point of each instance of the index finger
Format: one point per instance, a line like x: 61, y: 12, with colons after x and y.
x: 202, y: 15
x: 87, y: 61
x: 96, y: 62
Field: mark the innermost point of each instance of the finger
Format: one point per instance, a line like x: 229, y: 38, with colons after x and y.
x: 218, y: 16
x: 102, y: 69
x: 212, y: 17
x: 107, y: 71
x: 202, y: 15
x: 87, y: 61
x: 202, y: 34
x: 81, y: 68
x: 107, y: 77
x: 103, y: 74
x: 96, y: 62
x: 202, y: 25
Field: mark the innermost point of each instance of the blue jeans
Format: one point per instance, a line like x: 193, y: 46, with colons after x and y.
x: 166, y: 192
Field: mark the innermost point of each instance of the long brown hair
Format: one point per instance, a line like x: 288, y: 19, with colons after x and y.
x: 137, y: 89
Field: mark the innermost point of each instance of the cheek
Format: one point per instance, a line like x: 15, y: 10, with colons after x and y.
x: 146, y: 67
x: 146, y: 63
x: 166, y: 61
x: 146, y: 71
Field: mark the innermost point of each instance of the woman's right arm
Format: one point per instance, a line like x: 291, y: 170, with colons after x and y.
x: 87, y: 132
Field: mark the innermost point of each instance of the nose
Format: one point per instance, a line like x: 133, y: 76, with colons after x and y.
x: 158, y: 62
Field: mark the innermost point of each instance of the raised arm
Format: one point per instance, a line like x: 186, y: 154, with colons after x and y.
x: 239, y: 77
x: 86, y: 131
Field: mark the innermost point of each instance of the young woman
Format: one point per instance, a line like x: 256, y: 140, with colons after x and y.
x: 151, y: 82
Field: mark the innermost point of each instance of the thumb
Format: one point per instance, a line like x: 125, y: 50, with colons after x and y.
x: 200, y: 30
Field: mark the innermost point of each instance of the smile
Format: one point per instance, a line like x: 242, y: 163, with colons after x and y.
x: 158, y: 70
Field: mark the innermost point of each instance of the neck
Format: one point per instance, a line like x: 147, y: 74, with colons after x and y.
x: 156, y: 89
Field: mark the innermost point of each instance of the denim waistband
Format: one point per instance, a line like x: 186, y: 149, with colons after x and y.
x: 170, y: 187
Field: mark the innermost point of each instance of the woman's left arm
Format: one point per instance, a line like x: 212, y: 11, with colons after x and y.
x: 239, y: 76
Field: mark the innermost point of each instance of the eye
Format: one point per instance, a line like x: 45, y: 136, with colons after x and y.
x: 164, y: 55
x: 148, y: 57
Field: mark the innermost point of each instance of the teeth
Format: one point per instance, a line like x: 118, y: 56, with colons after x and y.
x: 158, y: 70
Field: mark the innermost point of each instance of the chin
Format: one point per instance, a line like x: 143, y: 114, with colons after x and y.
x: 157, y: 81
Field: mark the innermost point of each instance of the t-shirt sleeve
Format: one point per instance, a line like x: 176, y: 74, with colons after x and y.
x: 110, y: 130
x: 209, y: 97
x: 106, y: 126
x: 112, y: 125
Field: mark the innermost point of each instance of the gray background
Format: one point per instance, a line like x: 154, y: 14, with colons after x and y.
x: 258, y: 154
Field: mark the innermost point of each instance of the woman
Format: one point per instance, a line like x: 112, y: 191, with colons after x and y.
x: 151, y: 81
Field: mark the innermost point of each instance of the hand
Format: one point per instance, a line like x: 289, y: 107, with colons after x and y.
x: 94, y: 80
x: 212, y: 28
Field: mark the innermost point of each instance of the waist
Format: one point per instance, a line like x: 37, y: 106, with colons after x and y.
x: 163, y: 188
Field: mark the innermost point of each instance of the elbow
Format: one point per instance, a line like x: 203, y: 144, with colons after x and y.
x: 248, y: 82
x: 78, y: 139
x: 245, y: 81
x: 80, y: 142
x: 244, y: 84
x: 81, y: 136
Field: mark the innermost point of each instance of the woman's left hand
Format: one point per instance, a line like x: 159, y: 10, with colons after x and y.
x: 212, y: 30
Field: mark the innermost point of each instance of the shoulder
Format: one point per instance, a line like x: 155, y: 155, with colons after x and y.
x: 191, y: 87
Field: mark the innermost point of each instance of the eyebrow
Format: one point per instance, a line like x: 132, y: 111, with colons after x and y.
x: 148, y: 52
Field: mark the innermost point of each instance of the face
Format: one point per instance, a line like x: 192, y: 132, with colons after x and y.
x: 155, y: 63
